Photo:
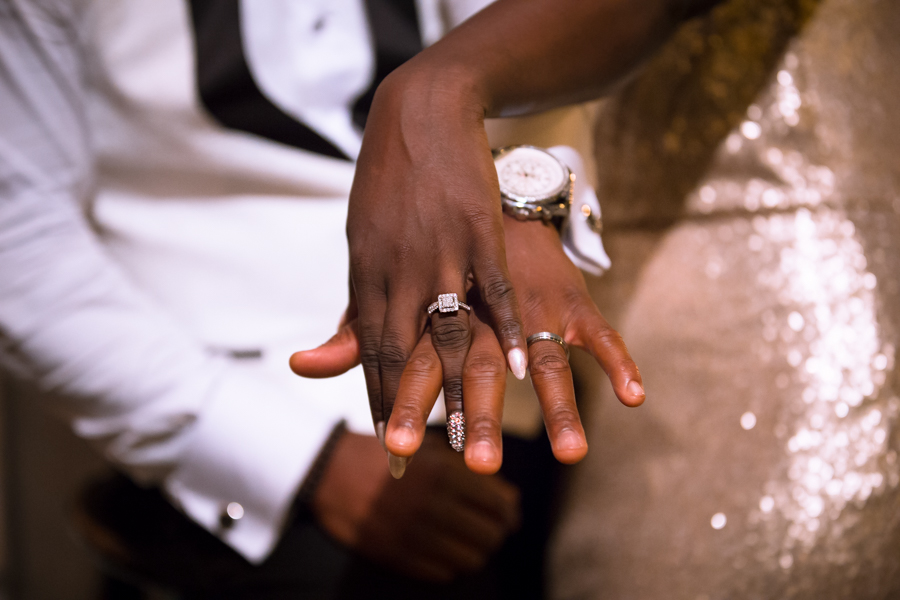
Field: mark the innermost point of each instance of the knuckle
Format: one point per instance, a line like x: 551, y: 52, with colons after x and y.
x: 509, y: 330
x: 497, y: 290
x: 453, y: 389
x: 392, y: 355
x: 423, y: 363
x: 607, y: 336
x: 450, y: 334
x: 484, y: 366
x: 564, y: 416
x: 368, y: 353
x: 407, y: 415
x: 549, y: 363
x: 361, y: 259
x: 483, y: 426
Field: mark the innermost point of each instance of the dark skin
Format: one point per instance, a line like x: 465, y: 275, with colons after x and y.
x: 443, y: 519
x: 439, y: 521
x: 424, y: 220
x: 554, y: 298
x: 424, y: 213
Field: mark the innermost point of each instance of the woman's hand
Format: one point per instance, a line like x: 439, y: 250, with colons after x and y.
x: 554, y: 299
x: 425, y: 220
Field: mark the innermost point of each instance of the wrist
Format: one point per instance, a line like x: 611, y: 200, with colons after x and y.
x: 449, y: 91
x: 522, y: 235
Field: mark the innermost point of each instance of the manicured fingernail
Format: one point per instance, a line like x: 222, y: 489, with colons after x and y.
x: 379, y: 431
x: 517, y: 363
x: 397, y: 465
x: 635, y: 388
x: 402, y: 436
x: 482, y: 452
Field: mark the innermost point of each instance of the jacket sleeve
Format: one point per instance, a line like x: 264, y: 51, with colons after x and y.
x: 115, y: 365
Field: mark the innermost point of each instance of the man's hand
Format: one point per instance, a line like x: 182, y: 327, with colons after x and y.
x: 437, y: 522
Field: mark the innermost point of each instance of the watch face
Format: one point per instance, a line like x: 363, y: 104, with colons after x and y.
x: 530, y: 174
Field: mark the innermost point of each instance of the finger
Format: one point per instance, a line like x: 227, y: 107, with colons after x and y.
x: 403, y: 326
x: 498, y: 295
x: 595, y: 335
x: 484, y: 384
x: 419, y: 388
x: 336, y: 356
x: 552, y: 380
x: 402, y: 330
x: 371, y: 321
x: 450, y: 335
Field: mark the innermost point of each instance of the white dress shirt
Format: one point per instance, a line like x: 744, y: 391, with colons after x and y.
x: 144, y: 246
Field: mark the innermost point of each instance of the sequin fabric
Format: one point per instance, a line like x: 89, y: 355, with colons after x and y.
x: 750, y: 181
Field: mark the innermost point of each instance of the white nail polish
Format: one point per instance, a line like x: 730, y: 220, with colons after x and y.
x: 379, y: 432
x: 397, y: 465
x: 517, y: 363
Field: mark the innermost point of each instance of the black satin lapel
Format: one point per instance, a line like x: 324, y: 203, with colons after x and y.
x: 226, y: 86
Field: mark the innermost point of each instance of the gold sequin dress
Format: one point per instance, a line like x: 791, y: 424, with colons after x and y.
x: 750, y: 181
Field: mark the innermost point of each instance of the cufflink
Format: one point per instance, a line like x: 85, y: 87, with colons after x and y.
x: 231, y: 513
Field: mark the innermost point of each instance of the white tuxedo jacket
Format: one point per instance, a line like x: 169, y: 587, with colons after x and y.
x: 152, y: 233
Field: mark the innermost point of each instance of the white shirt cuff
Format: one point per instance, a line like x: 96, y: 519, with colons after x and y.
x: 252, y: 446
x: 582, y: 244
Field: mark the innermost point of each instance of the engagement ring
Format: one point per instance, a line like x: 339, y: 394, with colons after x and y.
x: 447, y: 303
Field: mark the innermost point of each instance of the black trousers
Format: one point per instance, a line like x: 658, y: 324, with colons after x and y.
x: 154, y: 543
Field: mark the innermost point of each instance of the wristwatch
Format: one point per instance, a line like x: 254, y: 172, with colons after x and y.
x: 534, y: 184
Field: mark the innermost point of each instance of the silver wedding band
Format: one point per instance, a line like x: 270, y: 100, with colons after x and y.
x: 550, y: 337
x: 447, y: 303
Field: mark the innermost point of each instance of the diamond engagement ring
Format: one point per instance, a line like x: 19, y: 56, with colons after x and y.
x: 549, y: 337
x: 447, y: 303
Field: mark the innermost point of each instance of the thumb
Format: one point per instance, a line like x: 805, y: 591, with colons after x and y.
x: 336, y: 356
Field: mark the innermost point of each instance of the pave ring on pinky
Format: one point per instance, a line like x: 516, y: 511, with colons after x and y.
x: 456, y: 431
x: 550, y: 337
x: 447, y: 303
